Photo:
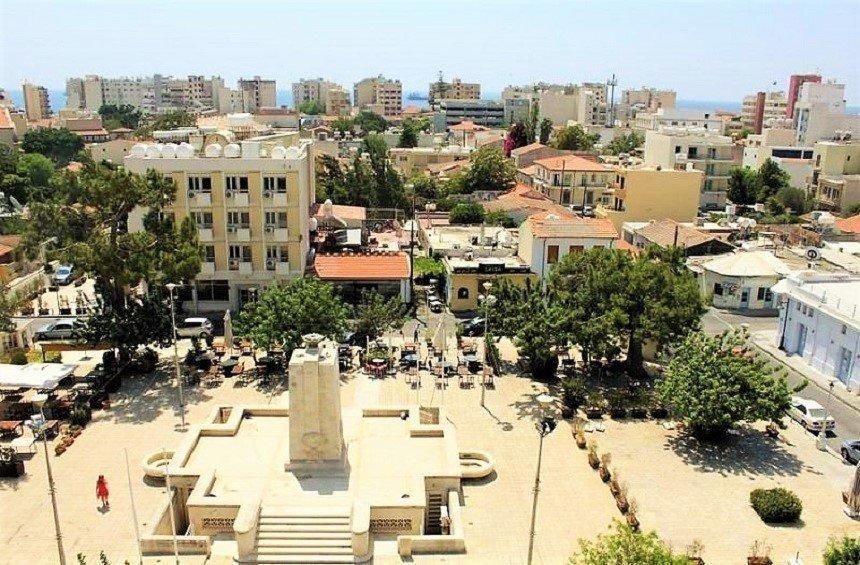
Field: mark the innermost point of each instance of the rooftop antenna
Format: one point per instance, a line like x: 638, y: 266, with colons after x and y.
x: 612, y: 83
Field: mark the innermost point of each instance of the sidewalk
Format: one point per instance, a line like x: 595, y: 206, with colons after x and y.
x: 764, y: 341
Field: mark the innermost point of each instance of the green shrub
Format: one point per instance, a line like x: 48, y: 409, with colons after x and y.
x: 18, y: 357
x: 842, y: 552
x: 777, y: 505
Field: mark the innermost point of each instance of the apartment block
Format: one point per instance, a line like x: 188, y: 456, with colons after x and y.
x: 794, y: 84
x: 454, y: 90
x: 584, y: 104
x: 330, y: 95
x: 37, y: 104
x: 251, y: 204
x: 835, y: 181
x: 571, y: 180
x: 648, y: 193
x: 819, y: 113
x: 158, y: 93
x: 676, y: 117
x: 411, y: 160
x: 778, y: 145
x: 764, y: 109
x: 489, y: 113
x: 379, y: 94
x: 646, y: 99
x: 261, y: 93
x: 698, y: 149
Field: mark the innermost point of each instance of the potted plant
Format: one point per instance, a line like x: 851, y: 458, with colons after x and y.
x: 573, y: 392
x: 632, y: 520
x: 617, y: 404
x: 605, y: 475
x: 621, y: 498
x: 694, y: 553
x: 59, y: 449
x: 759, y: 554
x: 593, y: 459
x: 614, y: 486
x: 578, y: 433
x: 595, y: 404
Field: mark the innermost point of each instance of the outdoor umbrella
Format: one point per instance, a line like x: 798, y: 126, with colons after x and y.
x: 852, y: 496
x: 228, y: 331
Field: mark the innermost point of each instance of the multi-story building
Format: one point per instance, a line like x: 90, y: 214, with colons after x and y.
x: 379, y: 94
x: 516, y: 109
x: 571, y: 180
x: 329, y: 95
x: 733, y: 125
x: 819, y: 113
x: 37, y: 104
x: 454, y: 90
x: 794, y: 84
x: 489, y: 113
x: 648, y: 193
x: 261, y: 93
x: 694, y: 148
x: 778, y: 145
x: 835, y: 180
x: 676, y: 117
x: 412, y: 160
x: 646, y: 99
x: 153, y: 94
x: 251, y: 206
x: 545, y: 238
x: 764, y: 109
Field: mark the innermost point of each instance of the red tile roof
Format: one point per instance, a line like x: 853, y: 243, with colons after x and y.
x: 466, y: 125
x: 550, y: 224
x: 382, y: 266
x: 849, y: 225
x: 663, y: 234
x: 523, y: 198
x: 572, y: 163
x: 340, y: 211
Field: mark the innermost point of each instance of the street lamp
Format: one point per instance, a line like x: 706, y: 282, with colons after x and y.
x: 411, y: 187
x: 545, y: 427
x: 489, y: 301
x: 37, y: 424
x: 170, y: 287
x: 821, y: 441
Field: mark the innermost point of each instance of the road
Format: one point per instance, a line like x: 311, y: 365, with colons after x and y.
x: 847, y: 418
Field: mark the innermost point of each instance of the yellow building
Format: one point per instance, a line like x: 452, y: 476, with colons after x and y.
x: 639, y: 195
x: 251, y: 204
x: 113, y: 151
x: 465, y: 278
x: 835, y: 181
x: 36, y: 102
x: 571, y: 179
x: 412, y: 160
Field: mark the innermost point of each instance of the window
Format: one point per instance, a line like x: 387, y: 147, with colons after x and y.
x: 276, y: 219
x: 552, y: 254
x: 462, y: 293
x: 275, y: 184
x: 712, y: 152
x: 203, y: 219
x: 677, y: 149
x: 200, y: 184
x: 213, y: 290
x: 575, y: 249
x: 238, y: 219
x: 761, y: 292
x: 844, y: 329
x: 238, y: 184
x: 718, y: 289
x: 209, y: 253
x: 240, y: 253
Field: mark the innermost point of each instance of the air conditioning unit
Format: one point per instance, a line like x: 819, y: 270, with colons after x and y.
x: 191, y: 194
x: 270, y: 229
x: 231, y: 229
x: 267, y: 194
x: 270, y: 263
x: 284, y: 259
x: 234, y: 263
x: 228, y: 193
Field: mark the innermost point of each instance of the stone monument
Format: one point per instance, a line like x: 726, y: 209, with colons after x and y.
x: 316, y: 428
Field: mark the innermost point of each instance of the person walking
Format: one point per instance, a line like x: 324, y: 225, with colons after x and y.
x: 102, y: 491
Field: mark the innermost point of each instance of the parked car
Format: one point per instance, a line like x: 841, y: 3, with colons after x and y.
x: 474, y: 327
x: 435, y: 305
x: 64, y: 329
x: 810, y: 414
x: 195, y: 327
x: 64, y: 275
x: 851, y: 451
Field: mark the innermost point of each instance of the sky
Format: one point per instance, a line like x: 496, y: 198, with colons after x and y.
x: 705, y: 50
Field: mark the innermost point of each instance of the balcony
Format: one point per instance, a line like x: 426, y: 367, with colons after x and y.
x: 271, y: 198
x: 237, y: 233
x: 199, y: 198
x: 205, y: 234
x: 243, y: 267
x: 274, y: 233
x: 238, y: 199
x: 282, y: 268
x: 207, y: 268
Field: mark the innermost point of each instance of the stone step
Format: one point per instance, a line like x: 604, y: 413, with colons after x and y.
x: 288, y: 559
x: 263, y: 528
x: 305, y: 542
x: 305, y: 511
x: 333, y: 520
x: 304, y: 550
x: 284, y: 535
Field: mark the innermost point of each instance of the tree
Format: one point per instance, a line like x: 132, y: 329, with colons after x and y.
x: 343, y: 124
x: 789, y: 197
x: 425, y: 187
x: 330, y: 178
x: 37, y: 171
x: 624, y: 546
x: 426, y: 267
x: 771, y: 179
x: 374, y: 314
x: 168, y: 120
x: 743, y: 186
x: 845, y: 551
x: 120, y: 116
x: 58, y: 144
x: 574, y: 138
x: 500, y: 218
x: 86, y: 218
x: 853, y: 210
x: 624, y: 143
x: 518, y: 135
x: 466, y: 213
x: 545, y: 130
x: 311, y: 107
x: 366, y: 181
x: 288, y: 310
x: 370, y: 122
x: 713, y: 382
x: 408, y: 134
x: 489, y: 170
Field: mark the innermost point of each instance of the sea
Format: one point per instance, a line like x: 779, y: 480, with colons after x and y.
x: 285, y: 98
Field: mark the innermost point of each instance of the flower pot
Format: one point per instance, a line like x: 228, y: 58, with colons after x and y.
x: 59, y: 450
x: 621, y: 503
x: 614, y: 488
x: 580, y: 441
x: 76, y: 433
x: 593, y: 461
x: 618, y: 413
x: 632, y: 521
x: 759, y: 561
x: 605, y: 475
x: 638, y: 413
x: 659, y: 413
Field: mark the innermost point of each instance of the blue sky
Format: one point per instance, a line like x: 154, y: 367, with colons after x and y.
x: 716, y: 50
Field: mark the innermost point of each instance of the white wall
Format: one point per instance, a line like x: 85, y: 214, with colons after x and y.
x: 539, y: 246
x: 732, y: 300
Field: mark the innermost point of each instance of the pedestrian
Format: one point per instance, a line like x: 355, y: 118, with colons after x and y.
x: 415, y: 338
x: 102, y: 491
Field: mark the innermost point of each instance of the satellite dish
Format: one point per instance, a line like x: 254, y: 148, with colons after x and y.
x: 813, y: 254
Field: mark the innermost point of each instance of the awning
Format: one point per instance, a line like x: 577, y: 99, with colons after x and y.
x: 34, y: 375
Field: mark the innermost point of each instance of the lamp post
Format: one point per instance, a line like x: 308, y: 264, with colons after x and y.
x: 545, y: 427
x: 411, y: 187
x: 37, y: 424
x: 821, y: 441
x: 489, y: 300
x: 170, y: 287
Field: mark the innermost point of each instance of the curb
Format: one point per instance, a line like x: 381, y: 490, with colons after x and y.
x: 808, y: 379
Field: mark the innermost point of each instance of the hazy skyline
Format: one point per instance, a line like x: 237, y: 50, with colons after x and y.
x: 717, y: 51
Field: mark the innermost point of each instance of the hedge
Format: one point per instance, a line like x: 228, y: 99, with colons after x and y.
x: 777, y: 505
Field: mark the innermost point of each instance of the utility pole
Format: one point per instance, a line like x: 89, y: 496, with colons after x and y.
x: 612, y: 82
x: 53, y: 491
x: 170, y: 287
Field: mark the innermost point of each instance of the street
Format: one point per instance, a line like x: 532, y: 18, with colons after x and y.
x: 847, y: 418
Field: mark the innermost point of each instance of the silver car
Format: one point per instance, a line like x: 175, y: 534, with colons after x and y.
x: 64, y: 329
x: 194, y: 327
x: 810, y: 414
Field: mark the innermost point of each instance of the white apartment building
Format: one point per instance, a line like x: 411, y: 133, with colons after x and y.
x: 645, y: 99
x: 764, y: 110
x: 584, y: 104
x: 676, y: 117
x: 778, y: 145
x: 251, y: 204
x: 819, y: 113
x: 37, y: 104
x: 380, y: 95
x: 694, y: 148
x: 153, y: 94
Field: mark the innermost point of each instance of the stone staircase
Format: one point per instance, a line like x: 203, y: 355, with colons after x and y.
x: 309, y: 534
x: 433, y: 524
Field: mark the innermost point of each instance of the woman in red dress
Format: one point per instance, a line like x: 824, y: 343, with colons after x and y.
x: 102, y: 491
